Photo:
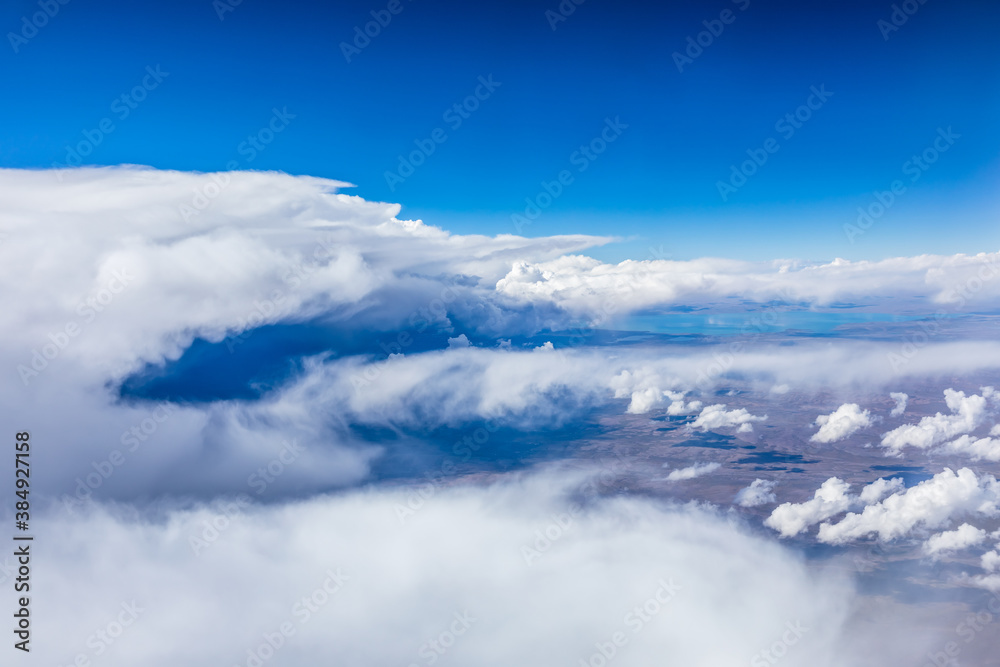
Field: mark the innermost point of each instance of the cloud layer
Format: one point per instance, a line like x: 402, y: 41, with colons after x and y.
x: 490, y: 565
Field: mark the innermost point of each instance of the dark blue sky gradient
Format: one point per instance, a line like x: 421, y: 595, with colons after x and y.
x: 656, y: 184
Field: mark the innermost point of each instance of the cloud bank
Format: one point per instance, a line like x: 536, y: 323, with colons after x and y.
x: 471, y: 576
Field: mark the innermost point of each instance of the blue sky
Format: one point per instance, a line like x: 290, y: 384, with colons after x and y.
x: 656, y: 184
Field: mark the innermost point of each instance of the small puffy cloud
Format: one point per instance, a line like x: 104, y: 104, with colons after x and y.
x: 989, y: 582
x: 458, y: 342
x: 644, y: 400
x: 900, y: 406
x: 831, y: 498
x: 976, y: 449
x: 845, y: 421
x: 678, y: 406
x: 990, y: 561
x: 879, y: 489
x: 929, y: 504
x: 697, y: 470
x: 716, y: 416
x: 780, y: 389
x: 644, y: 387
x: 963, y: 537
x: 760, y: 492
x: 967, y: 413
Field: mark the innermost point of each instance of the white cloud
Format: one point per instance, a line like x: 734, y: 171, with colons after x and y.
x: 963, y: 537
x: 831, y: 498
x: 845, y: 421
x: 930, y: 504
x: 716, y: 416
x: 976, y: 449
x: 990, y: 561
x: 968, y: 412
x: 480, y: 551
x: 270, y: 246
x: 760, y: 492
x: 696, y: 470
x: 879, y: 489
x: 459, y: 341
x: 900, y: 406
x: 643, y: 386
x: 584, y: 285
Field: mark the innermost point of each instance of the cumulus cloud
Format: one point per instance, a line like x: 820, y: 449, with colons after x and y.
x: 845, y: 421
x: 879, y: 489
x: 976, y: 449
x: 830, y: 498
x: 458, y: 341
x: 643, y: 386
x: 967, y: 414
x: 696, y: 470
x: 584, y: 285
x: 678, y: 406
x: 760, y: 492
x: 963, y: 537
x: 352, y: 582
x: 716, y: 416
x: 900, y: 406
x: 990, y: 561
x: 121, y: 280
x: 930, y: 504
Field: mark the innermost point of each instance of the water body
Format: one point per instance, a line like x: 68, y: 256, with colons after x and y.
x: 749, y: 323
